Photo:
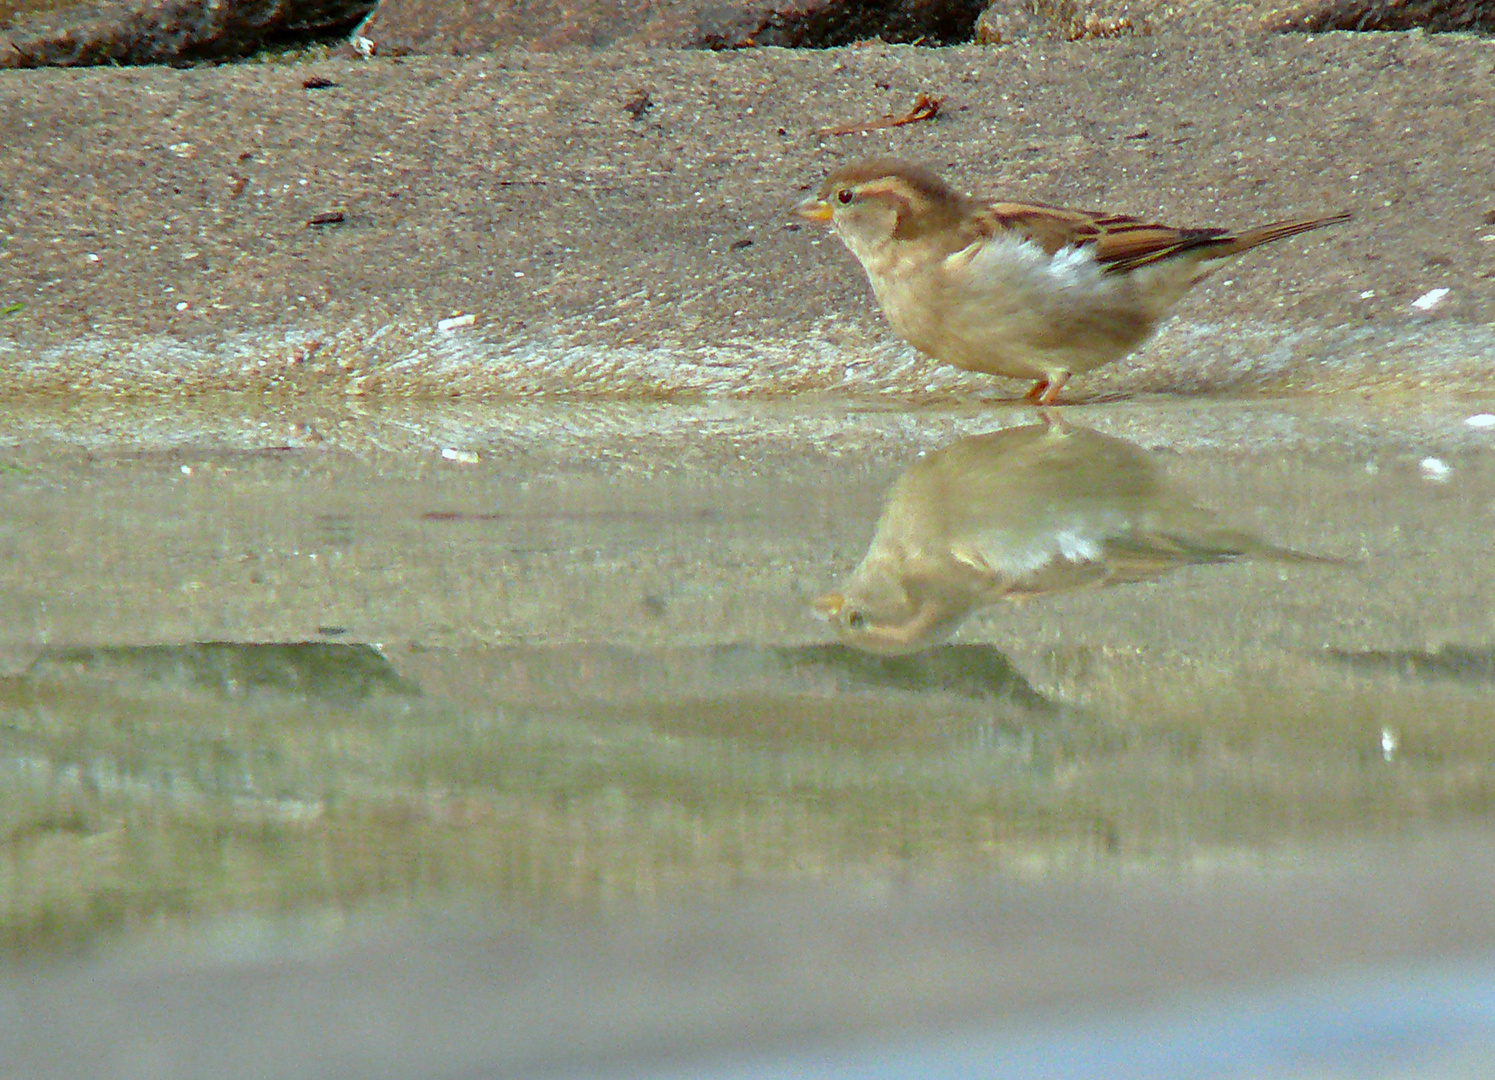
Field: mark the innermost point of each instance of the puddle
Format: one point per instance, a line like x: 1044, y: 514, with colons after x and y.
x: 576, y: 660
x: 572, y: 655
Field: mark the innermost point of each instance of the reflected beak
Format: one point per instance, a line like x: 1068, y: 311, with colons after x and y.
x: 827, y: 607
x: 814, y: 209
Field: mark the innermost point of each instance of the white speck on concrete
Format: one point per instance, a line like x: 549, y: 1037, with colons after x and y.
x: 462, y: 457
x: 1480, y: 420
x: 456, y: 322
x: 1430, y: 299
x: 1435, y: 469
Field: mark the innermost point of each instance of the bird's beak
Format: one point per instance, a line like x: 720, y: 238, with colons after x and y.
x: 827, y: 607
x: 814, y: 209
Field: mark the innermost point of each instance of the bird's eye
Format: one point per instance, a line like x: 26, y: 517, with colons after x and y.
x: 856, y: 620
x: 844, y: 196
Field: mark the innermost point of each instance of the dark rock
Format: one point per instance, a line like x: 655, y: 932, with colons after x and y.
x: 1007, y: 21
x: 464, y: 27
x: 823, y: 24
x: 172, y: 31
x: 1434, y: 16
x: 470, y: 26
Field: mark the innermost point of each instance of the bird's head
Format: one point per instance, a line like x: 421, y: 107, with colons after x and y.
x: 873, y: 202
x: 877, y: 614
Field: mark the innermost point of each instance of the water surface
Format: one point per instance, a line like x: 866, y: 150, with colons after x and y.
x: 566, y: 661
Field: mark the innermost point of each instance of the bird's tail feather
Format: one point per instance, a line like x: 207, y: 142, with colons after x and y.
x: 1234, y: 245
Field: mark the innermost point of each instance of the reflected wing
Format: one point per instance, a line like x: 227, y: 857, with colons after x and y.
x: 1147, y: 557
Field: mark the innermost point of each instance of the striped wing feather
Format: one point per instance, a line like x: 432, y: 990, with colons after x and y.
x: 1121, y: 244
x: 1118, y: 242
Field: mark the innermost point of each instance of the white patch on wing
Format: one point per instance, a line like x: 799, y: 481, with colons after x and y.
x: 1077, y: 548
x: 1067, y: 544
x: 1014, y: 256
x: 1072, y: 266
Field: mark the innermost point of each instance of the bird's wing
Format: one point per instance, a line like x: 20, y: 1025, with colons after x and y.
x: 1118, y: 243
x: 1148, y: 556
x: 1011, y: 565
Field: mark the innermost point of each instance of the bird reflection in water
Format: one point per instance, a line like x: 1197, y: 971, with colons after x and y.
x: 1019, y: 513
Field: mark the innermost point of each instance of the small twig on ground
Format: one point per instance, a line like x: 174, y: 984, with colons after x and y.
x: 924, y: 108
x: 638, y: 103
x: 30, y: 58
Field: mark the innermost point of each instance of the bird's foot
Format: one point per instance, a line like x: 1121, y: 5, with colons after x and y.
x: 1046, y: 391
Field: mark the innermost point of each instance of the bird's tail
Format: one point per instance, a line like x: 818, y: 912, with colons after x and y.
x: 1234, y: 245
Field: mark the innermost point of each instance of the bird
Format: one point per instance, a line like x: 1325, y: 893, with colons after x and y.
x: 1024, y: 290
x: 1019, y: 513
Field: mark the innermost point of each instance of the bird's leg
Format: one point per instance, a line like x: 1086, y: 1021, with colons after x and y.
x: 1047, y: 390
x: 1057, y: 425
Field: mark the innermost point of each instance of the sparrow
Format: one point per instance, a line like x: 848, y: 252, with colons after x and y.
x: 1020, y: 513
x: 1024, y: 290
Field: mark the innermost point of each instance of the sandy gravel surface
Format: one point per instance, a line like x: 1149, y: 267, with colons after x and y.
x: 155, y: 230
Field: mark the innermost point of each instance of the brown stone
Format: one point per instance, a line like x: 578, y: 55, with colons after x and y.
x: 822, y: 24
x: 473, y: 26
x: 1432, y: 15
x: 1007, y: 21
x: 168, y: 31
